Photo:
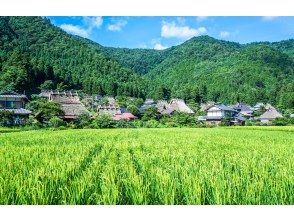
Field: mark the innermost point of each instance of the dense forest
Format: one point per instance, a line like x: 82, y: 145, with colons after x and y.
x: 35, y: 54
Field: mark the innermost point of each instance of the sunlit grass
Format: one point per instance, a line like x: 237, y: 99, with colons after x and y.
x: 244, y: 165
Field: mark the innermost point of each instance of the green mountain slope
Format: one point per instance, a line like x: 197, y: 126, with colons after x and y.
x: 33, y: 50
x: 204, y: 69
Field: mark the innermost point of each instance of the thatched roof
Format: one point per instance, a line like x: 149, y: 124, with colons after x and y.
x: 271, y: 113
x: 180, y: 106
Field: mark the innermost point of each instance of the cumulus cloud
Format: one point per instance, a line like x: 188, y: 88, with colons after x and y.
x: 156, y: 44
x: 170, y: 30
x: 224, y: 34
x: 93, y: 22
x: 75, y: 29
x: 89, y: 23
x: 201, y: 18
x: 159, y: 46
x: 117, y: 26
x: 269, y: 18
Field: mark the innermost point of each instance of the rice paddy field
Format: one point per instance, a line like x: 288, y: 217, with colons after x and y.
x: 224, y: 165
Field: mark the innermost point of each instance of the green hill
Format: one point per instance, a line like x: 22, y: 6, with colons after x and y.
x: 33, y: 51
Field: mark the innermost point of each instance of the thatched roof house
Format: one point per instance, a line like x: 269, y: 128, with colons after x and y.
x: 270, y: 115
x: 70, y: 103
x: 180, y: 106
x: 164, y: 107
x: 124, y: 116
x: 15, y: 103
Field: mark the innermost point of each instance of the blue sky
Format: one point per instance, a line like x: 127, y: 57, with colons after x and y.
x: 163, y: 32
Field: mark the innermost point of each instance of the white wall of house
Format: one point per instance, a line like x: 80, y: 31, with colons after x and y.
x: 214, y: 111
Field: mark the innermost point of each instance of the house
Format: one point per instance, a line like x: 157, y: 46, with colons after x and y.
x: 220, y: 113
x: 164, y: 108
x: 270, y: 115
x: 124, y: 116
x: 149, y: 103
x: 110, y: 109
x: 180, y: 106
x: 14, y: 102
x: 205, y: 106
x: 244, y: 110
x: 70, y: 103
x: 258, y: 106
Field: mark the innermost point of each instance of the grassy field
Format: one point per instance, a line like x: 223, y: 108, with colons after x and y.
x: 244, y: 165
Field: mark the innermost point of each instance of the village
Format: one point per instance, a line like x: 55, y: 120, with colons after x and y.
x: 75, y: 106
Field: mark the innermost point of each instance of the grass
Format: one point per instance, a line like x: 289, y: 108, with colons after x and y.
x: 244, y: 165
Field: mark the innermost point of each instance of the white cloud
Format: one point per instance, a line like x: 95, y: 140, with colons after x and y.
x: 169, y: 30
x: 224, y: 34
x: 269, y: 18
x: 159, y: 46
x: 201, y: 18
x: 93, y: 22
x: 75, y: 29
x: 156, y: 44
x: 117, y: 26
x: 89, y: 24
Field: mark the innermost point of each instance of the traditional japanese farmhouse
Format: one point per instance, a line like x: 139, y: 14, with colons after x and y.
x: 110, y: 107
x: 70, y: 102
x: 270, y: 115
x: 244, y: 110
x: 164, y: 108
x: 149, y: 103
x: 14, y: 102
x: 220, y: 113
x: 180, y: 106
x: 124, y: 116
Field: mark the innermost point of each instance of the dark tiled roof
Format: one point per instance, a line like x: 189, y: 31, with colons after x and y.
x: 19, y: 111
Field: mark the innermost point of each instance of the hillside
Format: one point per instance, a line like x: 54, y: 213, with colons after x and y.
x: 32, y: 50
x: 209, y: 69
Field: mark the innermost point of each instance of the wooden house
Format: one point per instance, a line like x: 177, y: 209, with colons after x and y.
x: 164, y: 108
x: 124, y: 116
x: 70, y: 103
x: 180, y: 106
x: 14, y: 102
x: 270, y: 115
x: 220, y: 113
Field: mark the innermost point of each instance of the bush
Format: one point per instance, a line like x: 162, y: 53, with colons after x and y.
x: 152, y: 124
x: 103, y: 121
x: 124, y: 124
x: 280, y: 121
x: 83, y: 121
x: 6, y: 118
x: 56, y: 122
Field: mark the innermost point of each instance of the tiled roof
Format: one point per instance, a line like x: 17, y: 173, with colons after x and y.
x: 19, y: 111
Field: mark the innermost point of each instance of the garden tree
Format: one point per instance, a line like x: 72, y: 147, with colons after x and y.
x: 103, y: 121
x: 184, y: 119
x: 150, y: 113
x: 83, y: 120
x: 56, y: 122
x: 6, y: 118
x: 47, y: 85
x: 44, y: 110
x: 133, y: 109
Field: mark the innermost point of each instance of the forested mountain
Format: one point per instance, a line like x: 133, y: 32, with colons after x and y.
x: 32, y: 51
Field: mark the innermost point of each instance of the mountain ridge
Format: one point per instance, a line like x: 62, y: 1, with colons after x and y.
x: 202, y: 68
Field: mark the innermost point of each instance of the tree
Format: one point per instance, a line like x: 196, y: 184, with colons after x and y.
x: 56, y: 122
x: 47, y: 85
x: 6, y: 118
x: 44, y: 110
x: 103, y: 121
x: 150, y: 113
x: 133, y: 109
